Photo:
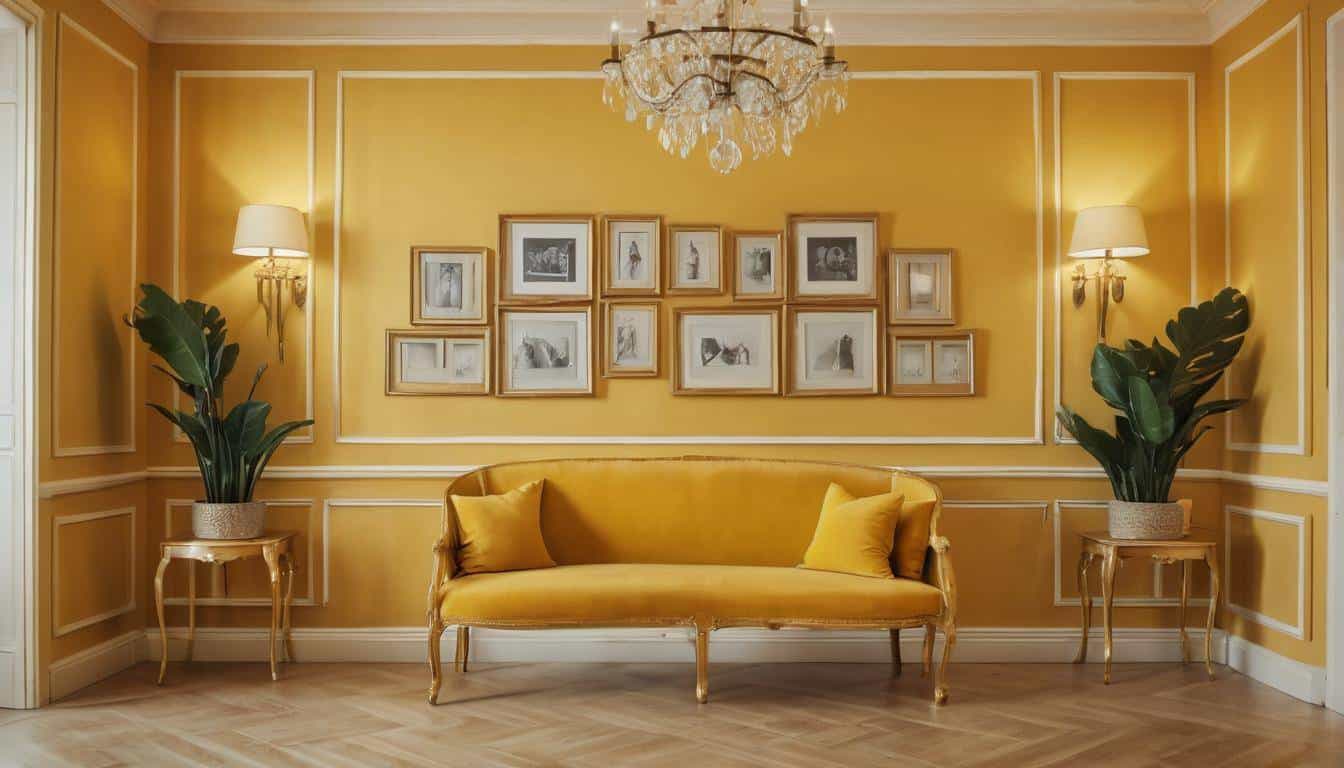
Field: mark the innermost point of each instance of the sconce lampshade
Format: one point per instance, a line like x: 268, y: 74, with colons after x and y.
x: 1117, y: 229
x: 271, y: 231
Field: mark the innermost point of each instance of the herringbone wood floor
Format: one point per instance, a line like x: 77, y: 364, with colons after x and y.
x: 582, y: 715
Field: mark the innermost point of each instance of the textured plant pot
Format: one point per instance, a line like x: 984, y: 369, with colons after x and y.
x: 1145, y: 520
x: 228, y: 521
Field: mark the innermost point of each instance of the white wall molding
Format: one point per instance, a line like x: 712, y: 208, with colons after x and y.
x: 336, y: 504
x: 54, y: 488
x: 1293, y: 27
x: 1192, y: 192
x: 132, y: 410
x: 309, y: 312
x: 1292, y: 677
x: 1036, y: 438
x: 1297, y: 630
x: 66, y: 625
x: 1223, y: 15
x: 1334, y: 174
x: 82, y: 669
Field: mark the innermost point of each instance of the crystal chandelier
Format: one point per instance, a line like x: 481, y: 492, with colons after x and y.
x: 716, y: 68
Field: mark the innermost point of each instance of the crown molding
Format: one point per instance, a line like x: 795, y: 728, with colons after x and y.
x: 585, y: 22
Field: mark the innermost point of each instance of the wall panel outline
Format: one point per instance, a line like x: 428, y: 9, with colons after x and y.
x: 330, y: 504
x: 1303, y: 524
x: 65, y: 627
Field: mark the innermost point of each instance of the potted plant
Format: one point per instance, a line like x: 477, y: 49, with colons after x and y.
x: 231, y: 450
x: 1156, y: 393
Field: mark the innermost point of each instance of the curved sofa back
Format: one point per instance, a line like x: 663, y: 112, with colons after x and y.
x: 687, y: 510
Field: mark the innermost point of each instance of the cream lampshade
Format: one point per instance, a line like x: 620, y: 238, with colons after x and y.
x: 1109, y: 231
x: 271, y: 231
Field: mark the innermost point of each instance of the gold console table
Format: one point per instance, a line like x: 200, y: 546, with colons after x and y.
x: 1199, y: 545
x: 275, y: 548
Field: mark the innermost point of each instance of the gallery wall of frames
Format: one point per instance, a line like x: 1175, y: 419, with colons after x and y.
x: 817, y: 308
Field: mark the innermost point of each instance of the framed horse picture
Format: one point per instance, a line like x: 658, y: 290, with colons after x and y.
x: 833, y: 258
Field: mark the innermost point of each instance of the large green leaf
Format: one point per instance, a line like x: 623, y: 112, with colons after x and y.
x: 1110, y: 370
x: 173, y: 335
x: 1207, y: 337
x: 1152, y: 418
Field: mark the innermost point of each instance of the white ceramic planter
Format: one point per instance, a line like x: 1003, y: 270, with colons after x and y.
x: 1145, y: 520
x: 228, y: 521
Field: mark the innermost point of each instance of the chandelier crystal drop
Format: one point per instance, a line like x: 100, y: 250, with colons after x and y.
x: 716, y: 70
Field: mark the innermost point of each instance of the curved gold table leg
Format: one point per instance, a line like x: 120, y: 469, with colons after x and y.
x: 286, y: 627
x: 1085, y: 599
x: 1185, y: 600
x: 273, y: 568
x: 158, y: 606
x: 1108, y: 568
x: 701, y: 663
x: 895, y: 653
x: 1215, y: 580
x: 191, y: 607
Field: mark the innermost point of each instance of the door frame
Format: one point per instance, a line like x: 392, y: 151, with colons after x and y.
x: 1334, y: 132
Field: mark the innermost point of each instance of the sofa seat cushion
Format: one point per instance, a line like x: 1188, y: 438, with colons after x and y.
x: 630, y: 594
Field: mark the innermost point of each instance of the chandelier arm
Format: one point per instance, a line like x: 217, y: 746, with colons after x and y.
x: 691, y: 33
x: 654, y: 103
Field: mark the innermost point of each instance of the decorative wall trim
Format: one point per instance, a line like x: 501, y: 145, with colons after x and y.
x: 1334, y: 172
x: 309, y: 312
x: 1294, y: 27
x: 1192, y: 188
x: 330, y: 504
x: 309, y: 570
x: 1054, y: 645
x: 1223, y: 15
x: 1297, y: 630
x: 82, y: 669
x: 1157, y: 598
x: 1037, y: 437
x: 54, y: 488
x: 65, y: 627
x: 57, y: 449
x: 1294, y: 678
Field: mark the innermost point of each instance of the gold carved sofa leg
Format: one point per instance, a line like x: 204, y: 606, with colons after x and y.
x: 927, y: 661
x: 435, y: 663
x: 701, y: 663
x: 463, y: 649
x: 940, y: 679
x: 896, y: 653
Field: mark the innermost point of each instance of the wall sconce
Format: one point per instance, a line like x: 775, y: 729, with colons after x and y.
x: 1106, y: 232
x: 276, y: 233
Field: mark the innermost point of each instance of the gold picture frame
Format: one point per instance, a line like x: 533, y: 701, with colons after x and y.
x: 582, y: 228
x: 480, y: 284
x: 833, y: 386
x: 680, y: 383
x: 584, y: 343
x: 675, y: 286
x: 778, y: 267
x: 939, y: 377
x: 437, y: 346
x: 863, y: 229
x: 611, y: 257
x: 610, y: 368
x: 934, y: 307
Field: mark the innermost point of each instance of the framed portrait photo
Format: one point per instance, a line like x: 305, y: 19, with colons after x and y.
x: 545, y: 259
x: 932, y: 363
x: 449, y: 361
x: 833, y: 257
x: 632, y: 255
x: 919, y: 287
x: 695, y: 259
x: 448, y: 286
x: 630, y: 339
x: 758, y: 266
x: 725, y: 351
x: 834, y: 351
x: 545, y: 351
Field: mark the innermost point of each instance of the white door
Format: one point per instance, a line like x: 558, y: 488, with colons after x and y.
x: 16, y: 348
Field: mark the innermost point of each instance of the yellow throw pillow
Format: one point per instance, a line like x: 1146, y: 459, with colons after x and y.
x: 854, y: 535
x: 501, y: 533
x: 912, y: 539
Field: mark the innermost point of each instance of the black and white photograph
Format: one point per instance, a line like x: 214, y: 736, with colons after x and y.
x: 448, y: 286
x: 545, y: 259
x: 919, y: 287
x: 834, y: 352
x: 441, y: 362
x: 545, y: 352
x: 758, y: 266
x: 833, y: 257
x: 727, y: 351
x: 914, y: 362
x: 932, y: 363
x: 631, y: 339
x: 632, y: 261
x: 952, y: 362
x: 696, y: 259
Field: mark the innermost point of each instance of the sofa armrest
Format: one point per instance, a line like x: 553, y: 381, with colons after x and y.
x: 445, y: 567
x: 942, y: 576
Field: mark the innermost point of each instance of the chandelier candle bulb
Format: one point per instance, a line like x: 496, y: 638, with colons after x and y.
x: 615, y: 39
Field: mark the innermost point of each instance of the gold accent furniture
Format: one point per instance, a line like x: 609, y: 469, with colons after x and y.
x: 275, y: 548
x: 700, y: 542
x: 1199, y: 545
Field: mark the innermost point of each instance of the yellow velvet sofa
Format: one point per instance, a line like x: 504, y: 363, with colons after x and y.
x: 694, y: 541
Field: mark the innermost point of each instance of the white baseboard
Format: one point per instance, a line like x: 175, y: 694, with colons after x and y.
x: 409, y: 644
x: 90, y: 665
x: 1292, y: 677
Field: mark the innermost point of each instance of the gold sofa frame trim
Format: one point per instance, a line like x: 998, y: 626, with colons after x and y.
x: 937, y: 572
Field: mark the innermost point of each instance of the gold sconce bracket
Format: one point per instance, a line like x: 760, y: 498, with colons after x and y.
x: 274, y: 280
x: 1110, y: 287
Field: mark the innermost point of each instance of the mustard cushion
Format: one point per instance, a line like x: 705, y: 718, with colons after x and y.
x: 912, y: 538
x: 854, y: 535
x: 501, y: 533
x: 635, y: 594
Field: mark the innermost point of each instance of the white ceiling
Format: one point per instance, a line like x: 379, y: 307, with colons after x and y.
x: 858, y: 22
